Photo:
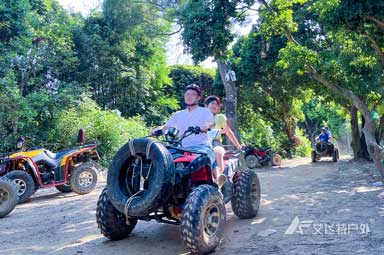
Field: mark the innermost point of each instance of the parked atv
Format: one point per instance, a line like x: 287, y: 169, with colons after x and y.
x: 8, y: 196
x: 160, y: 180
x: 255, y: 158
x: 324, y: 149
x: 31, y: 168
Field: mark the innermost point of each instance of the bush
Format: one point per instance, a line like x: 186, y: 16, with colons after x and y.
x: 304, y: 147
x: 111, y: 130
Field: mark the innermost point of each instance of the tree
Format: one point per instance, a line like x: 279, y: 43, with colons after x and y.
x: 183, y: 75
x: 122, y: 57
x: 279, y: 99
x: 207, y: 32
x: 298, y: 57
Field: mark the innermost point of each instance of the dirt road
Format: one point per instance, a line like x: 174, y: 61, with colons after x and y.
x: 333, y: 207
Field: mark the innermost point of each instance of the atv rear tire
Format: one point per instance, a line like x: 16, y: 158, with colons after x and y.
x: 276, y: 160
x: 335, y: 155
x: 111, y: 222
x: 203, y: 218
x: 313, y: 156
x: 8, y: 196
x: 125, y: 179
x: 84, y: 179
x: 252, y: 161
x: 65, y: 188
x: 24, y: 183
x: 246, y: 198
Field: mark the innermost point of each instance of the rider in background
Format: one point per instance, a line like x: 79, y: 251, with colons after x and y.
x: 213, y: 103
x: 328, y: 132
x: 324, y: 136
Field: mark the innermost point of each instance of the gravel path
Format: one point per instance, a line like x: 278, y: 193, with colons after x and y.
x: 329, y: 208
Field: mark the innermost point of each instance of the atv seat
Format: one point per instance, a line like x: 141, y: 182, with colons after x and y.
x: 59, y: 155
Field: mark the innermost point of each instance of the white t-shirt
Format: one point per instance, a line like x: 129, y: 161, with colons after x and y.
x: 199, y: 117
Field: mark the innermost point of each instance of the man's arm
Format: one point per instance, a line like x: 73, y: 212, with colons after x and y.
x: 170, y: 123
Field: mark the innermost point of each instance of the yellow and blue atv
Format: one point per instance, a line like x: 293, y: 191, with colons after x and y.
x: 31, y: 168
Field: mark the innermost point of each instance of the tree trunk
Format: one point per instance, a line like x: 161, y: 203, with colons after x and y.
x: 363, y: 152
x: 230, y: 101
x: 355, y: 143
x: 380, y: 130
x: 374, y: 149
x: 289, y: 129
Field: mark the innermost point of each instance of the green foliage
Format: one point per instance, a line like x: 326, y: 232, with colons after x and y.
x: 12, y: 19
x: 304, y: 148
x: 207, y: 26
x: 319, y: 113
x: 110, y: 130
x: 50, y: 59
x: 254, y: 130
x: 183, y: 75
x: 122, y: 57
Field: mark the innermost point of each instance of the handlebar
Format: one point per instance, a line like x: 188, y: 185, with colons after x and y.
x: 172, y: 136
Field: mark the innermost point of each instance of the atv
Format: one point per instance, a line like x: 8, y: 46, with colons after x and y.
x: 255, y: 158
x: 324, y: 149
x: 31, y: 168
x: 160, y: 180
x: 8, y: 196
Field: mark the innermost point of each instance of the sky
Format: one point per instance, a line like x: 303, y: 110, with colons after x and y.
x: 83, y: 6
x: 175, y: 49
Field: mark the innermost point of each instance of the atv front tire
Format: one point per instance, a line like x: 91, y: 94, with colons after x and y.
x: 111, y: 222
x: 313, y: 156
x: 335, y: 155
x: 24, y: 183
x: 246, y: 198
x: 84, y: 179
x: 252, y: 161
x: 202, y: 221
x: 8, y: 196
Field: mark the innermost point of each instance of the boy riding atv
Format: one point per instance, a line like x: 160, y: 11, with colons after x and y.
x: 172, y: 181
x: 213, y: 103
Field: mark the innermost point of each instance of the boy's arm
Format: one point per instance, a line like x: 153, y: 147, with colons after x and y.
x: 232, y: 137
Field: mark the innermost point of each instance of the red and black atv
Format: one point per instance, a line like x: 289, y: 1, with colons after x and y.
x: 255, y: 158
x: 31, y: 168
x: 151, y: 179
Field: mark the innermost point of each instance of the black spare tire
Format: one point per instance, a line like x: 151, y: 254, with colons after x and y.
x: 322, y: 148
x: 140, y: 177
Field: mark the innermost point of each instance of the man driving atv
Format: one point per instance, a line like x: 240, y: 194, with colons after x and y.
x: 213, y: 103
x: 193, y: 116
x: 323, y: 137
